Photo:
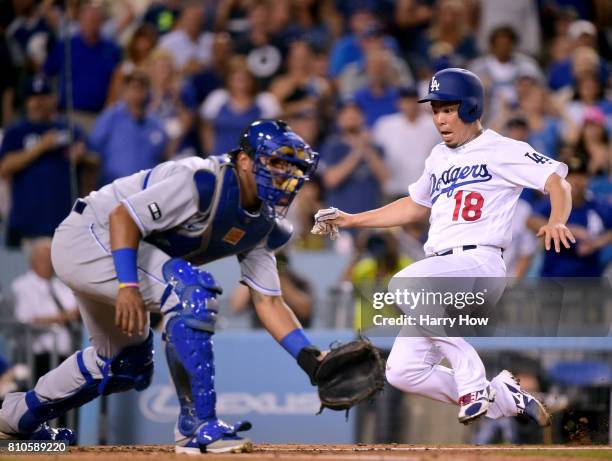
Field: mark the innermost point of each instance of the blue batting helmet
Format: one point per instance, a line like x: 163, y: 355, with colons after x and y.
x: 282, y: 161
x: 458, y: 85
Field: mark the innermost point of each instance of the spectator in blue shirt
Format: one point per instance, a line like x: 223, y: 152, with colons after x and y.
x: 380, y: 95
x: 589, y: 221
x: 352, y: 167
x: 93, y: 62
x: 35, y: 157
x: 127, y: 138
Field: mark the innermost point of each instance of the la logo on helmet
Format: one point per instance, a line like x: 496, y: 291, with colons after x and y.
x: 435, y: 86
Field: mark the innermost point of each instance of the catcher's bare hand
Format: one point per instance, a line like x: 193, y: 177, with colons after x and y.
x: 130, y: 313
x: 558, y: 234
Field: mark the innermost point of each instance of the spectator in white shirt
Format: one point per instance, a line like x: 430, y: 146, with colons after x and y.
x: 190, y: 47
x: 406, y: 139
x: 42, y: 300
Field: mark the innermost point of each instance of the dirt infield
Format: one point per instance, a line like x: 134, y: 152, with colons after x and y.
x: 391, y: 452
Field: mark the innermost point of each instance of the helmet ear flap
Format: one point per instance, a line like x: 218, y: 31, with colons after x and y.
x: 469, y: 111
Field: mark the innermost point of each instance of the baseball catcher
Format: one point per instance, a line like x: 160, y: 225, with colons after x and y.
x: 134, y: 246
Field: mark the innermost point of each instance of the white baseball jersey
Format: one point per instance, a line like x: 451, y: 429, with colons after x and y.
x: 473, y: 189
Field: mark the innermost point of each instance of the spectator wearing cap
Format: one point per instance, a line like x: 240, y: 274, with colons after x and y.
x: 391, y: 133
x: 188, y: 44
x: 35, y: 157
x: 350, y: 48
x: 501, y: 67
x: 589, y: 221
x: 126, y: 138
x: 583, y: 59
x: 353, y: 169
x: 93, y: 62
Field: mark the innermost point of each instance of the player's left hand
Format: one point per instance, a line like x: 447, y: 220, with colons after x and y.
x: 557, y: 233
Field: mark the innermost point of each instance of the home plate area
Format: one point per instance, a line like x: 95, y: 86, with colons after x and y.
x: 365, y: 452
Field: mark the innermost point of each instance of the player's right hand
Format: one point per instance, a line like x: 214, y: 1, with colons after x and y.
x: 328, y: 220
x: 333, y: 216
x: 130, y: 312
x: 557, y: 234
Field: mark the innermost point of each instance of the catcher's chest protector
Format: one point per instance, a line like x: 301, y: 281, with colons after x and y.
x: 229, y: 230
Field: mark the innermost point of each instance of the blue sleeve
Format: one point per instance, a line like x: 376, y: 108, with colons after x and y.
x: 11, y: 141
x: 542, y: 208
x: 55, y: 60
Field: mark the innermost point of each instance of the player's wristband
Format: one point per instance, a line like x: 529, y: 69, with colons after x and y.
x: 125, y: 265
x: 295, y: 341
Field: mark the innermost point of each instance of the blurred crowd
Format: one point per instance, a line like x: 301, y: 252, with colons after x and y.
x: 94, y: 90
x: 91, y: 91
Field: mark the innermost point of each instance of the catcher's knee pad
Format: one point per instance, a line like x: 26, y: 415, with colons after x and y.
x: 188, y: 342
x: 131, y: 368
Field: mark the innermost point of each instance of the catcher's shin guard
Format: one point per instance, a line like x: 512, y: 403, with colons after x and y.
x: 189, y: 352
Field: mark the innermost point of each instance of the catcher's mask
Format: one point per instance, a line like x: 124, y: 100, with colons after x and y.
x: 282, y: 161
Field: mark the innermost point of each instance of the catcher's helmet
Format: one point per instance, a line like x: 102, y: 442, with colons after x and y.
x: 282, y: 161
x: 460, y: 85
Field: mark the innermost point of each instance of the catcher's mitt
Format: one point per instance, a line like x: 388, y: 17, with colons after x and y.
x: 349, y: 374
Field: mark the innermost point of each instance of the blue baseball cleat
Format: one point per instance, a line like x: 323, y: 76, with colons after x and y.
x: 526, y: 404
x: 215, y: 436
